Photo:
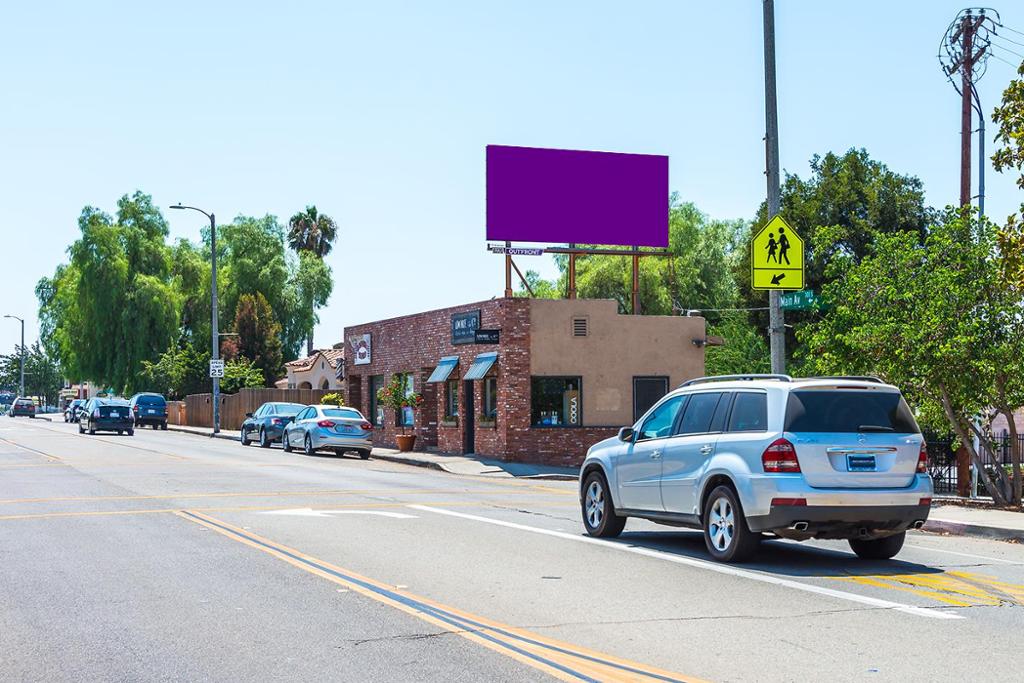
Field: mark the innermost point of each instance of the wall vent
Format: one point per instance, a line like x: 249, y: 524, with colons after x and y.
x: 580, y: 327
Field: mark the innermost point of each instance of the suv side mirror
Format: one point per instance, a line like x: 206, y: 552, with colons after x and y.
x: 626, y: 434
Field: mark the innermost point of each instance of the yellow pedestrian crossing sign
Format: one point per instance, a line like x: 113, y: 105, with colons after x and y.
x: 777, y: 257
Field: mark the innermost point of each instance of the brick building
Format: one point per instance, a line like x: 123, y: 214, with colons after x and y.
x: 545, y: 379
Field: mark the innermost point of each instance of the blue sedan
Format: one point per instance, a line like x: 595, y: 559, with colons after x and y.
x: 267, y: 424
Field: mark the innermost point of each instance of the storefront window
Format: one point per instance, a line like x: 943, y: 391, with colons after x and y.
x: 556, y: 401
x: 491, y: 398
x: 405, y: 415
x: 376, y: 412
x: 451, y: 400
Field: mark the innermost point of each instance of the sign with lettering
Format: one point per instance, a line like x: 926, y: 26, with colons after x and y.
x: 486, y: 336
x: 571, y: 407
x: 515, y: 251
x: 216, y: 367
x: 464, y: 327
x: 362, y: 353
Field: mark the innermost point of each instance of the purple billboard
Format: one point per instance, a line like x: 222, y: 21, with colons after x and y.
x: 561, y: 195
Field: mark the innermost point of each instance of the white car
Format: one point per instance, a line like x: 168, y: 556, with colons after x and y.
x: 327, y: 427
x: 746, y: 456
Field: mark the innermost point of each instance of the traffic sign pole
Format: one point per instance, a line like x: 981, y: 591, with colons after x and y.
x: 776, y: 322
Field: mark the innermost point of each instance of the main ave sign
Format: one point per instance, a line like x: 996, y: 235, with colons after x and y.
x: 777, y: 257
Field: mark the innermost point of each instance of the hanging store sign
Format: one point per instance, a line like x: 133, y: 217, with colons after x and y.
x: 486, y: 336
x: 362, y: 353
x: 464, y: 327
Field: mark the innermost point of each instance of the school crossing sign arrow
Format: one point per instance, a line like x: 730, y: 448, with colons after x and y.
x: 776, y: 257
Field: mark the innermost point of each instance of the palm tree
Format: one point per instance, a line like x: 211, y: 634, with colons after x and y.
x: 312, y: 231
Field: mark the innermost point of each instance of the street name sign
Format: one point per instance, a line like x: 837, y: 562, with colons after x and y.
x: 804, y: 300
x: 776, y: 257
x: 216, y: 367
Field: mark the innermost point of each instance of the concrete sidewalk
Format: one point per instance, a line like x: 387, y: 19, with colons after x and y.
x: 453, y: 464
x: 959, y: 520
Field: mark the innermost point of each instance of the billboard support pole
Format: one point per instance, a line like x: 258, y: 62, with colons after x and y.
x: 572, y: 273
x: 508, y: 272
x: 636, y: 280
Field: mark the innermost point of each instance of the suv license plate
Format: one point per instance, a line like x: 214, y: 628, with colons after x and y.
x: 860, y: 463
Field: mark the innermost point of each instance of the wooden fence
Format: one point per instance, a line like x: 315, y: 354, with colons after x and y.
x: 233, y: 407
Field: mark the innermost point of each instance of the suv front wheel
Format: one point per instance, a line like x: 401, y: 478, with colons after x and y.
x: 599, y: 516
x: 725, y: 528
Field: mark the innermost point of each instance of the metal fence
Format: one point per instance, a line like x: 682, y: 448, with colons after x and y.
x: 942, y: 459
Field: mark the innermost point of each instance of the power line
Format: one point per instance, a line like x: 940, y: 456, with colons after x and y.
x: 1006, y: 61
x: 1009, y: 40
x: 1006, y: 49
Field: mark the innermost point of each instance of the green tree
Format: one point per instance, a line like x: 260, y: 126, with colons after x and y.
x: 853, y: 196
x: 113, y: 307
x: 1009, y: 116
x: 311, y: 235
x: 312, y: 231
x: 179, y: 371
x: 935, y: 318
x: 312, y: 284
x: 240, y: 373
x: 259, y: 335
x: 745, y: 350
x: 43, y: 377
x: 542, y: 289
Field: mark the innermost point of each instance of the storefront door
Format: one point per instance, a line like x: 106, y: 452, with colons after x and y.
x: 468, y: 420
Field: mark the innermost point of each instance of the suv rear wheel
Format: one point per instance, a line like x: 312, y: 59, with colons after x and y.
x: 878, y: 548
x: 599, y: 516
x: 725, y: 527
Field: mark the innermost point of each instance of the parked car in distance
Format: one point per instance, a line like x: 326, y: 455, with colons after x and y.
x: 327, y: 427
x: 72, y: 410
x: 267, y: 424
x: 106, y: 415
x: 742, y: 457
x: 23, y: 407
x: 149, y: 409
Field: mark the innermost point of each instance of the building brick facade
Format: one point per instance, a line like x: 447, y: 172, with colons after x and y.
x: 415, y: 344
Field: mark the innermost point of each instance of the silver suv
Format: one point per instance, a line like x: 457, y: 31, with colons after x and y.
x: 744, y: 456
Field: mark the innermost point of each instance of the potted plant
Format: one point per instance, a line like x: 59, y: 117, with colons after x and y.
x: 395, y: 396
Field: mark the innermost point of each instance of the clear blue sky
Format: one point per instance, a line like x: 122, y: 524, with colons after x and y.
x: 379, y: 112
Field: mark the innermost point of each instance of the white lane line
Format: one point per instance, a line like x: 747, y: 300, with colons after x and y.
x: 954, y: 552
x: 703, y: 564
x: 309, y: 512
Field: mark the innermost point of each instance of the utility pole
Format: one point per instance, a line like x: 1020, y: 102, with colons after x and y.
x: 964, y: 51
x: 967, y: 47
x: 21, y: 388
x: 776, y: 321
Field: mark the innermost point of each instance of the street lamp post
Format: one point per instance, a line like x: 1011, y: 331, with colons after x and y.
x: 214, y: 335
x: 21, y: 389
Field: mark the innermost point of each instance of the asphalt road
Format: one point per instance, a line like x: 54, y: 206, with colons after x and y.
x: 168, y: 556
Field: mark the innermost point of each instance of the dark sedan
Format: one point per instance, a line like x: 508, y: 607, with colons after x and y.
x: 266, y: 425
x: 106, y: 415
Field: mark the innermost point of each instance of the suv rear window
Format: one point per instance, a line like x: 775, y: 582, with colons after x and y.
x: 849, y: 412
x: 150, y: 400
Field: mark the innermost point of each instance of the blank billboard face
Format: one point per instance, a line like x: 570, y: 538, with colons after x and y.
x: 574, y: 197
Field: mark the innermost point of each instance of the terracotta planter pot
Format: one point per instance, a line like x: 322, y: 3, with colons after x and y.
x: 406, y: 442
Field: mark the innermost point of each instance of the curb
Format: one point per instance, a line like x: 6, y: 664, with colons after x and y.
x: 211, y: 435
x: 993, y: 533
x: 405, y: 460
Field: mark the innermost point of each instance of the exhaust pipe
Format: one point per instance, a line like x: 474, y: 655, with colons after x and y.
x: 918, y: 524
x: 799, y: 526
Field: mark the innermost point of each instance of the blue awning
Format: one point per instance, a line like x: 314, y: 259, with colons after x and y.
x: 481, y: 365
x: 443, y: 369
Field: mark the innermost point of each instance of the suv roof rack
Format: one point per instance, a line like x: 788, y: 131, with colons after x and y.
x: 860, y: 378
x: 732, y: 378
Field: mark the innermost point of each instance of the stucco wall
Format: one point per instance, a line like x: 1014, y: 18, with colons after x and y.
x: 616, y: 349
x: 314, y: 375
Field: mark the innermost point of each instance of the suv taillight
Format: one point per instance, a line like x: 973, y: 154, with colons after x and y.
x: 135, y: 407
x: 780, y: 456
x: 922, y: 459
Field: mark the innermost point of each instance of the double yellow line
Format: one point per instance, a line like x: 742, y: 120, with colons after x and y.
x: 562, y: 660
